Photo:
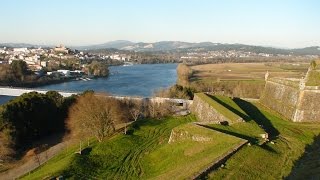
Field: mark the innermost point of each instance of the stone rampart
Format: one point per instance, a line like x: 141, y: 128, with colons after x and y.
x: 308, y: 108
x: 295, y: 103
x: 281, y: 98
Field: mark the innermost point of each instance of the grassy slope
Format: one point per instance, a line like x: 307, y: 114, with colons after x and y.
x: 133, y: 156
x: 219, y: 107
x: 185, y: 155
x: 143, y: 154
x: 271, y: 161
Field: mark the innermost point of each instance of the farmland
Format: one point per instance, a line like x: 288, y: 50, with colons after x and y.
x: 246, y: 71
x: 240, y: 79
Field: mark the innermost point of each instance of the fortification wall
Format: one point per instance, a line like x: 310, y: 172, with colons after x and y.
x: 206, y: 113
x: 281, y: 98
x: 296, y: 99
x: 299, y: 105
x: 309, y: 107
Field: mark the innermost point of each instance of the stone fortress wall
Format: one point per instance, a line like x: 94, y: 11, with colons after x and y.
x: 292, y: 98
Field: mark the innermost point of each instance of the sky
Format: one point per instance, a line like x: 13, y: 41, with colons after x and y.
x: 276, y: 23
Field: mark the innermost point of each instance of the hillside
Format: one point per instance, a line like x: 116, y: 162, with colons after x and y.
x: 287, y: 155
x: 179, y: 46
x: 145, y: 152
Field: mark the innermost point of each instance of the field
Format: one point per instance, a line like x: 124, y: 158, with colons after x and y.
x: 294, y: 146
x: 240, y: 79
x: 145, y: 153
x: 246, y: 71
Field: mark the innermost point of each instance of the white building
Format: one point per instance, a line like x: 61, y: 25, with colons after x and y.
x: 64, y: 72
x: 24, y: 50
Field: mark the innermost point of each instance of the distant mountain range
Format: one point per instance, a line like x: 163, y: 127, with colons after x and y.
x: 202, y: 46
x: 178, y: 46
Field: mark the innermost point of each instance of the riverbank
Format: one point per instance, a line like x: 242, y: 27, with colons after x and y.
x: 138, y: 80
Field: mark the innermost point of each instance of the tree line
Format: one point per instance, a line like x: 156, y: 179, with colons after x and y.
x: 29, y: 118
x: 33, y: 116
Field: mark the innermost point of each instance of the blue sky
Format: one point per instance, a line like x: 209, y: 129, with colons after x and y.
x: 280, y: 23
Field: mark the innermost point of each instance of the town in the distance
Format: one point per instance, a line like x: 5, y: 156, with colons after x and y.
x: 52, y: 64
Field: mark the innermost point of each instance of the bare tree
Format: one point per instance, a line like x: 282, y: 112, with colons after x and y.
x: 94, y: 116
x: 136, y: 110
x: 159, y: 109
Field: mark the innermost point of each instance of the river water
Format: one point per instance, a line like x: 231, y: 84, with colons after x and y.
x: 137, y: 80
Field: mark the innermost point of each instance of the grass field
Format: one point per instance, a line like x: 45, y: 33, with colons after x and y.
x: 246, y: 71
x: 241, y: 79
x: 145, y: 153
x: 294, y: 152
x: 187, y: 155
x: 270, y: 161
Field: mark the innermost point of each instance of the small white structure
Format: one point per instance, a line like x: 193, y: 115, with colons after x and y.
x: 24, y: 50
x: 64, y: 72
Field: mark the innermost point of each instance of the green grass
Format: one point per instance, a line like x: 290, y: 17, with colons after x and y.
x: 270, y: 161
x: 248, y: 130
x: 214, y: 101
x: 309, y: 164
x: 144, y: 153
x: 186, y: 155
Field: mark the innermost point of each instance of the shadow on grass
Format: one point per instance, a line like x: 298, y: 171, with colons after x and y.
x: 86, y: 151
x: 250, y: 139
x: 258, y: 117
x: 308, y: 165
x: 243, y: 116
x: 268, y: 148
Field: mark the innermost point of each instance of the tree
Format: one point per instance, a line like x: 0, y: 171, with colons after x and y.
x: 136, y: 110
x: 20, y: 69
x: 158, y: 109
x: 184, y: 72
x: 95, y: 116
x: 98, y: 69
x: 55, y: 97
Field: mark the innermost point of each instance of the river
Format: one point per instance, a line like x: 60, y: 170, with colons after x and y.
x: 137, y: 80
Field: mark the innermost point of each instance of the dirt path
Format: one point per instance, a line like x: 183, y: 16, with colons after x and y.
x: 32, y: 163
